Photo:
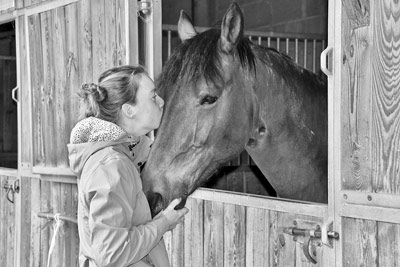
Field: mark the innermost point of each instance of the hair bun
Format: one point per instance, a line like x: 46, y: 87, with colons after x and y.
x: 91, y: 89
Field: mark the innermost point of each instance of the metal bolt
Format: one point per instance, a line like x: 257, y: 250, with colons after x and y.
x: 345, y: 196
x: 369, y: 197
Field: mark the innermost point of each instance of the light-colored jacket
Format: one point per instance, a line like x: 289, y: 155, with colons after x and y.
x: 114, y: 221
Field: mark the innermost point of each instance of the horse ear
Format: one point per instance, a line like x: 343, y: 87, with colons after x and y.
x: 185, y: 27
x: 231, y: 28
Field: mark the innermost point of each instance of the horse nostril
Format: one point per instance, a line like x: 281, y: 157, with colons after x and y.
x: 181, y: 204
x: 156, y: 203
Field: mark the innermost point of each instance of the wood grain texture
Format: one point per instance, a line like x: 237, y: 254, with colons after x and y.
x: 85, y: 41
x: 98, y: 38
x: 234, y: 235
x: 34, y: 33
x: 72, y: 71
x: 388, y: 244
x: 257, y: 237
x: 213, y: 235
x: 61, y: 89
x: 385, y: 121
x: 356, y: 108
x: 194, y: 245
x: 358, y: 12
x: 7, y: 226
x: 359, y: 243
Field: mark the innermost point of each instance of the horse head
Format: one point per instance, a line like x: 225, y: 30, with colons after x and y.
x: 209, y: 109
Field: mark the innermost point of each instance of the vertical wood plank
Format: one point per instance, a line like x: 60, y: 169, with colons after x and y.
x: 121, y: 32
x: 234, y: 233
x: 45, y: 206
x: 73, y: 71
x: 48, y: 94
x: 359, y: 242
x: 37, y: 88
x: 35, y: 226
x: 110, y: 34
x: 98, y: 38
x: 59, y: 108
x: 257, y: 237
x: 26, y: 114
x: 388, y: 244
x: 356, y: 103
x: 194, y: 233
x: 385, y: 106
x: 213, y: 236
x: 178, y: 244
x: 85, y: 41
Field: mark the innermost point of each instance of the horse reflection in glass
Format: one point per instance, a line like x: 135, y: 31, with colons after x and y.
x: 224, y: 94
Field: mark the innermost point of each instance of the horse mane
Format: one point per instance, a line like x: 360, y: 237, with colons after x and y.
x: 199, y: 57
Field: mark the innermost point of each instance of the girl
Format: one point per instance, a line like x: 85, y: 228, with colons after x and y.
x: 107, y: 148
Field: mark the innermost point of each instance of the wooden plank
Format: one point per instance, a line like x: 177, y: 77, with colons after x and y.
x: 388, y: 244
x: 110, y: 34
x: 282, y: 247
x: 3, y: 220
x: 177, y: 256
x: 371, y: 199
x: 10, y: 227
x: 269, y: 203
x: 359, y: 242
x: 35, y: 50
x: 73, y: 71
x: 98, y: 38
x: 122, y: 30
x: 47, y: 98
x: 385, y: 107
x: 35, y: 227
x: 85, y: 59
x: 132, y: 33
x: 25, y: 204
x: 213, y: 235
x: 356, y: 158
x: 358, y: 12
x: 60, y: 108
x: 194, y: 233
x: 370, y: 213
x: 234, y: 233
x: 45, y: 206
x: 257, y: 237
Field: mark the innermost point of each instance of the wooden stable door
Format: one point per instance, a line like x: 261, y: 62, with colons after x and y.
x: 60, y: 45
x: 364, y: 160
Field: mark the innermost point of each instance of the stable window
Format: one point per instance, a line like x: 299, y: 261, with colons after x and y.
x: 8, y: 105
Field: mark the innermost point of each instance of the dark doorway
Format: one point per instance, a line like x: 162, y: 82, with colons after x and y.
x: 9, y: 111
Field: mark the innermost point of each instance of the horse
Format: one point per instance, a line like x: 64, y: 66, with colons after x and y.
x: 224, y: 94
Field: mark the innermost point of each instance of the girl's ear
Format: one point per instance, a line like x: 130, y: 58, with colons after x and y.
x: 128, y: 110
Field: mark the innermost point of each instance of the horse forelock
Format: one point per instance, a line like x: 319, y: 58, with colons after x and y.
x: 199, y: 57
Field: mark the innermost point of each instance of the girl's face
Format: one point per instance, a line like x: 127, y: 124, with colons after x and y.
x: 149, y: 106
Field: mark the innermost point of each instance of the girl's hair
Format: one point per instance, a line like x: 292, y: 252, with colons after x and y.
x: 115, y: 87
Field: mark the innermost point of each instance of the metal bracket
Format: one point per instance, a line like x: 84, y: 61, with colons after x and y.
x: 311, y: 236
x: 327, y: 233
x: 145, y: 6
x: 11, y: 189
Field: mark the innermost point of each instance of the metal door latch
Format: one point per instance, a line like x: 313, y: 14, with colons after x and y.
x: 309, y: 234
x: 11, y: 189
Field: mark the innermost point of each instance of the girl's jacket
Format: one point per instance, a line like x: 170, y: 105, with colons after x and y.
x: 114, y: 221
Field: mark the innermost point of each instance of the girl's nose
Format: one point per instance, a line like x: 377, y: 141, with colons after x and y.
x: 160, y: 102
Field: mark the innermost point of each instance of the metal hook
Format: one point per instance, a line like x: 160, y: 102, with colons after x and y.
x: 10, y: 190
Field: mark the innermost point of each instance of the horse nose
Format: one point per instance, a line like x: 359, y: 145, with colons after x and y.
x: 156, y: 203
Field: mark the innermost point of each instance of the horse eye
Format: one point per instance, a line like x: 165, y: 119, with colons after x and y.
x: 208, y: 99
